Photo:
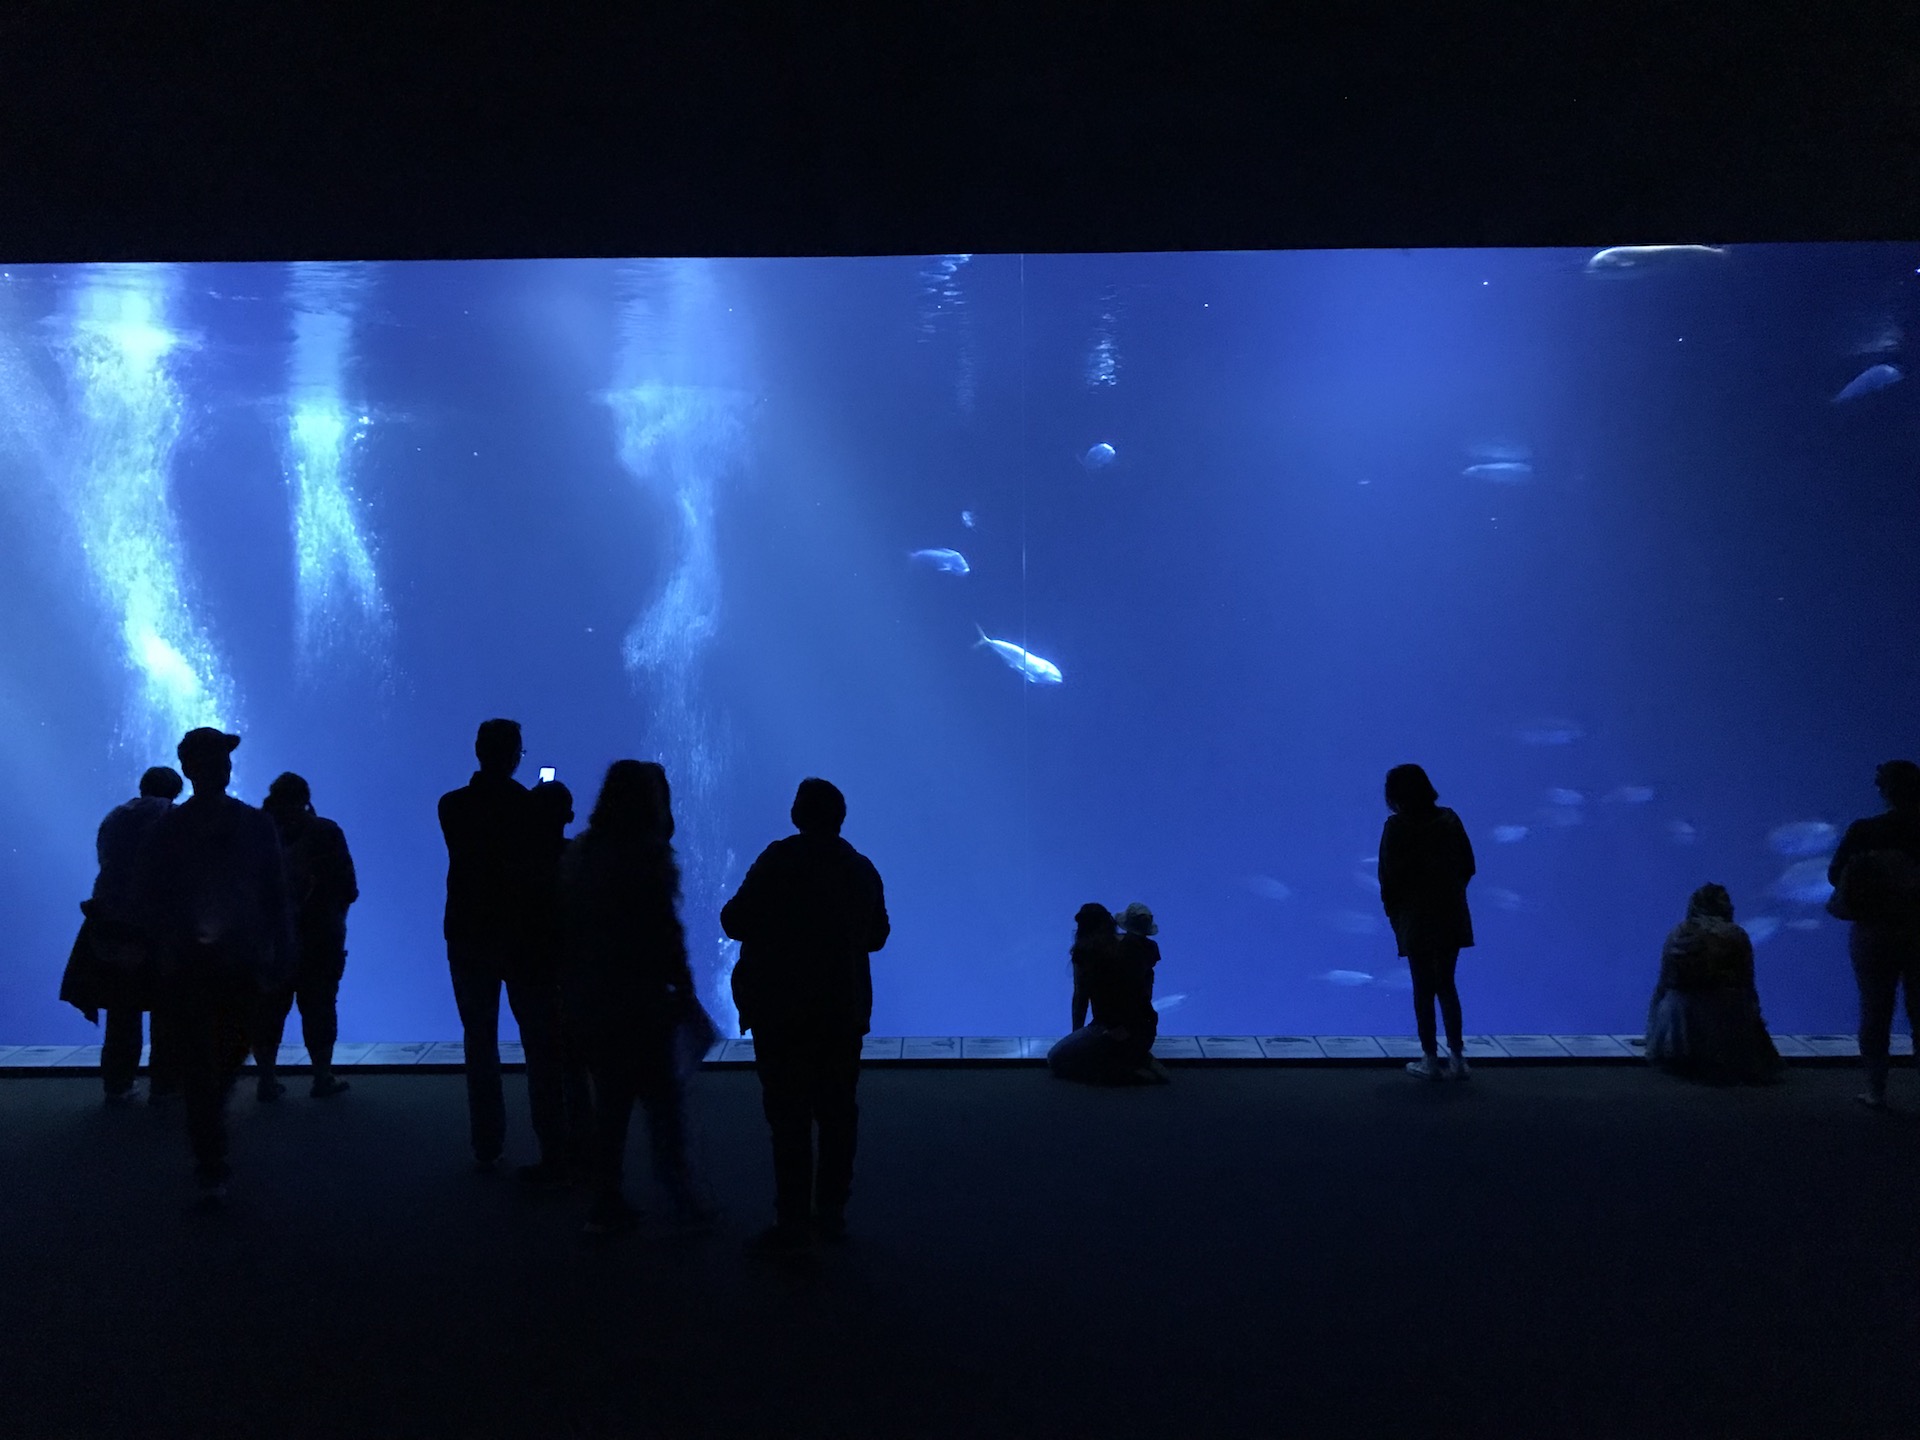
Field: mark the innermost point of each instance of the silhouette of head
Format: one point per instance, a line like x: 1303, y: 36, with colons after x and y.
x: 162, y: 782
x: 1092, y: 919
x: 555, y: 802
x: 1710, y: 902
x: 1137, y: 919
x: 206, y: 759
x: 1899, y: 784
x: 289, y: 799
x: 635, y: 800
x: 818, y: 807
x: 1408, y: 788
x: 498, y: 747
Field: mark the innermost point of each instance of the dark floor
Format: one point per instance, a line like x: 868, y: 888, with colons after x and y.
x: 1541, y: 1252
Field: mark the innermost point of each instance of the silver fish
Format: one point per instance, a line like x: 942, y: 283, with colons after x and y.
x: 1802, y: 837
x: 1036, y: 670
x: 1633, y: 259
x: 948, y: 562
x: 1874, y: 377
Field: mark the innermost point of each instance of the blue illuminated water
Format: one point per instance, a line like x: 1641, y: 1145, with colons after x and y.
x: 1598, y: 549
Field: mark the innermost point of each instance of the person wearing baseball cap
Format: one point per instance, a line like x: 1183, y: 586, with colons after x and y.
x: 213, y: 891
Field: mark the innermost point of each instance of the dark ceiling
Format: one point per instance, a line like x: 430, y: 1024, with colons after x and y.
x: 422, y: 127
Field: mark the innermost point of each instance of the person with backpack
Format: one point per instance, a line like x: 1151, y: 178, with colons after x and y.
x: 809, y: 915
x: 323, y: 886
x: 1876, y: 886
x: 211, y: 887
x: 111, y: 967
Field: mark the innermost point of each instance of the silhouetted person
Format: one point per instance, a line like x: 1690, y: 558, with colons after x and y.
x: 1704, y: 1021
x: 1094, y: 945
x: 213, y: 887
x: 628, y: 985
x: 322, y: 883
x: 1115, y: 1047
x: 495, y: 865
x: 553, y: 813
x: 808, y: 915
x: 112, y: 964
x: 1426, y: 861
x: 1876, y: 879
x: 1140, y: 957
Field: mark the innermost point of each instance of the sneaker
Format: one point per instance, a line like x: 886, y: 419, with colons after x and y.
x: 782, y: 1240
x: 268, y: 1090
x: 1457, y: 1067
x: 1873, y: 1099
x: 325, y: 1085
x: 1427, y: 1067
x: 611, y: 1217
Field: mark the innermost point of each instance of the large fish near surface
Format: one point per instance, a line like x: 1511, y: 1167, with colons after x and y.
x: 1500, y: 472
x: 1874, y: 377
x: 1630, y: 259
x: 948, y: 562
x: 1037, y: 671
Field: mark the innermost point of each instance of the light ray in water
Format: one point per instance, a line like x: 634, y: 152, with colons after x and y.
x: 1103, y: 355
x: 943, y: 308
x: 119, y: 350
x: 680, y: 427
x: 337, y: 588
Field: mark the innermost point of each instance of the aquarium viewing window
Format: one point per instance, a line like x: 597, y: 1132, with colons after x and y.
x: 1086, y: 577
